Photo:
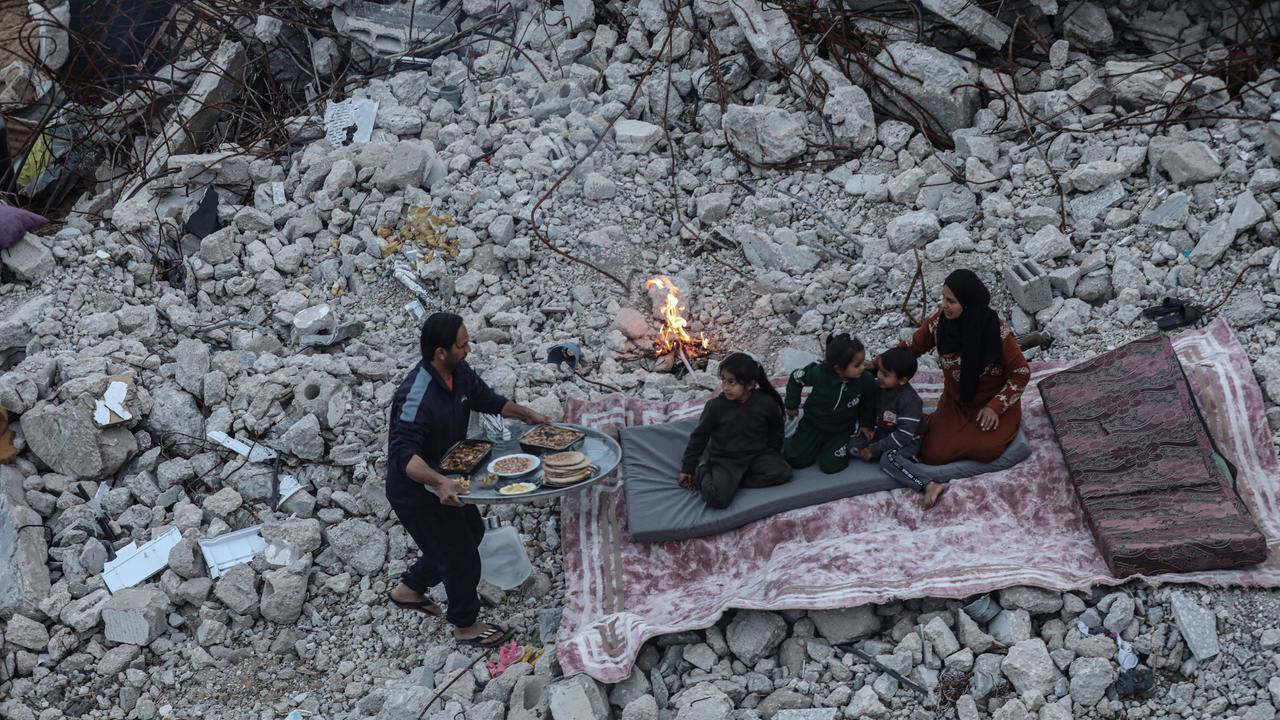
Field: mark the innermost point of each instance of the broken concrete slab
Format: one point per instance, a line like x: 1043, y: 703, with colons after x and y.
x: 64, y: 437
x: 27, y: 633
x: 23, y: 552
x: 29, y: 259
x: 1198, y: 625
x: 219, y: 83
x: 136, y: 616
x: 937, y: 90
x: 768, y: 32
x: 972, y: 19
x: 636, y: 136
x: 284, y: 591
x: 765, y: 135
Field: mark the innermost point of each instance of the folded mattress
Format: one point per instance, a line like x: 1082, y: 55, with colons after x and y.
x: 658, y: 509
x: 1156, y: 494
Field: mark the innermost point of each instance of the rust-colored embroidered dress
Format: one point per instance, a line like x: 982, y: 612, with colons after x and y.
x: 953, y: 432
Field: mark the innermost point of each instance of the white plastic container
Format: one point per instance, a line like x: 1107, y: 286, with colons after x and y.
x: 503, y: 560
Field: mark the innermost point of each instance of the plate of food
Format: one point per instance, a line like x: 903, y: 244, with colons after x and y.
x: 553, y: 438
x: 519, y: 488
x: 465, y: 456
x: 512, y: 466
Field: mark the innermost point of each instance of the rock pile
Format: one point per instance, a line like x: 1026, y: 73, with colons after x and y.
x: 1112, y: 179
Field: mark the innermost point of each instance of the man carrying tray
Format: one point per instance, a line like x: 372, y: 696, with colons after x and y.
x: 429, y: 413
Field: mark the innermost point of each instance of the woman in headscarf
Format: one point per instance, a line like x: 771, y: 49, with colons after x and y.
x: 984, y: 374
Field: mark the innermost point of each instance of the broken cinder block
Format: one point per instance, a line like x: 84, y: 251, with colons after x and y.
x: 1029, y: 284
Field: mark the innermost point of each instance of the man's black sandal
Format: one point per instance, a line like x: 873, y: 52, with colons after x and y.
x: 491, y: 638
x: 427, y: 606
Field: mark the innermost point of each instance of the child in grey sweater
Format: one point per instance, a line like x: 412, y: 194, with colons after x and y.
x: 899, y: 427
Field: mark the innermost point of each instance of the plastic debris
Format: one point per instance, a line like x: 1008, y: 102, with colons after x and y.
x: 230, y: 549
x: 204, y: 221
x: 135, y: 563
x: 251, y: 449
x: 565, y: 352
x: 415, y: 309
x: 342, y: 333
x: 289, y: 486
x: 1125, y: 655
x: 406, y: 277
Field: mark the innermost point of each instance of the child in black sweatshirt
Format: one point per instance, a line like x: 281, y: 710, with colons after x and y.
x: 741, y: 432
x: 899, y: 426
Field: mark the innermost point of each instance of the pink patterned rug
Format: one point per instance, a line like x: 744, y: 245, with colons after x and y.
x: 1018, y: 527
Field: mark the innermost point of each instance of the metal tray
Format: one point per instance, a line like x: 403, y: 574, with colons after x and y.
x: 469, y: 470
x: 603, y: 451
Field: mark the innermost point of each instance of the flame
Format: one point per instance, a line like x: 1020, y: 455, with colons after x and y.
x: 674, y: 334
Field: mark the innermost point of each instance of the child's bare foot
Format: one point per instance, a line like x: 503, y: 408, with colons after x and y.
x: 932, y: 492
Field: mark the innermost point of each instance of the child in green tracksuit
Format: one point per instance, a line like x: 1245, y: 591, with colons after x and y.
x: 841, y: 402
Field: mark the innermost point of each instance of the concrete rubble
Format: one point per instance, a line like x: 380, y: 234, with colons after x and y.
x: 1115, y: 165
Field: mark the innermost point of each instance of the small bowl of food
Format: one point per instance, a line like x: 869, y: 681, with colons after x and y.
x: 516, y: 465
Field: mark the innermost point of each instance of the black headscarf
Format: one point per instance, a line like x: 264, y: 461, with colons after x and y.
x: 975, y: 335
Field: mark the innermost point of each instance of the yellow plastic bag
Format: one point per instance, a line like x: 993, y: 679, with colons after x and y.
x: 37, y: 161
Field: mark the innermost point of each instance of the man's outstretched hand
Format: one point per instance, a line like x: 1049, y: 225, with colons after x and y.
x: 449, y: 491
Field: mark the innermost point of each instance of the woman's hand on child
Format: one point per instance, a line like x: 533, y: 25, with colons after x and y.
x: 987, y: 419
x: 865, y: 454
x: 793, y: 412
x: 686, y: 481
x: 867, y: 432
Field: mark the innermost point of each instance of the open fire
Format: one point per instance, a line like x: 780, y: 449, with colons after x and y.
x: 673, y: 337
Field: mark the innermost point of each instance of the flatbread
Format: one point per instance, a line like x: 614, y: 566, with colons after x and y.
x: 568, y: 479
x: 564, y: 460
x: 568, y: 469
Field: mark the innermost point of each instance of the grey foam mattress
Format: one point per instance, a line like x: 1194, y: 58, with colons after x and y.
x: 658, y: 509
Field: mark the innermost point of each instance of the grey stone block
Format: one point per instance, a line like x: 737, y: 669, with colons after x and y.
x: 135, y: 616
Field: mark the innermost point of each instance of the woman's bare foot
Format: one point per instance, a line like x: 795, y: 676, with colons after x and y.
x: 932, y: 492
x: 482, y: 635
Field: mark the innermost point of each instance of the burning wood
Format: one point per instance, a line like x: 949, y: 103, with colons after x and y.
x: 673, y: 336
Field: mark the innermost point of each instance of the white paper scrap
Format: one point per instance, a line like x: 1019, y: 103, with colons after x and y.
x: 101, y: 415
x: 115, y: 397
x: 349, y: 122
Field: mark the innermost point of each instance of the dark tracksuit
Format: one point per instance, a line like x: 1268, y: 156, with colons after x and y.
x: 834, y: 409
x: 900, y: 428
x: 743, y: 444
x: 427, y: 417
